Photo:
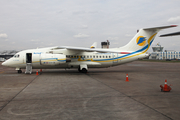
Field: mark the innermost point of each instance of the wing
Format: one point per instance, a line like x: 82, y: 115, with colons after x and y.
x: 82, y: 49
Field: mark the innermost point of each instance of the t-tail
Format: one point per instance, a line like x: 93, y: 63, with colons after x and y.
x: 141, y: 42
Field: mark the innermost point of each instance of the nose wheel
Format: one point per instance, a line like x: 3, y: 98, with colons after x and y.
x: 19, y: 71
x: 84, y: 70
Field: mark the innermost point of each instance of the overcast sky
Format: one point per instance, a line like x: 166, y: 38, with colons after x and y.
x: 28, y: 24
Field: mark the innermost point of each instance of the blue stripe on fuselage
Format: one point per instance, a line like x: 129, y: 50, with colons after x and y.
x: 144, y: 48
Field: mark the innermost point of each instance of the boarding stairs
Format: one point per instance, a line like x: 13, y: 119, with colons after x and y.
x: 28, y: 68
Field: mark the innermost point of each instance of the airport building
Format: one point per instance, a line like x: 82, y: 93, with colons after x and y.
x: 158, y: 54
x: 105, y: 45
x: 7, y: 54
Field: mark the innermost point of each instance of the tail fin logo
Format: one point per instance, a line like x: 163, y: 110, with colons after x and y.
x: 141, y: 41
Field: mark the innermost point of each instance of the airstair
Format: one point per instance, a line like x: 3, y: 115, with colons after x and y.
x: 28, y: 68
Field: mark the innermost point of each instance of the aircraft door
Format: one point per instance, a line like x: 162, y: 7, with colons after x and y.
x: 115, y: 56
x: 28, y: 57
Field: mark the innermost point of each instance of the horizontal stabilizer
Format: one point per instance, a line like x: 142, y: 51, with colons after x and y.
x: 159, y: 28
x: 170, y: 34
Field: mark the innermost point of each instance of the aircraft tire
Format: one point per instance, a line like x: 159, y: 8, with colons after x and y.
x: 84, y: 70
x: 19, y: 71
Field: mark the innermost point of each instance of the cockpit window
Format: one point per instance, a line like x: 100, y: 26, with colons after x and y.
x: 16, y: 56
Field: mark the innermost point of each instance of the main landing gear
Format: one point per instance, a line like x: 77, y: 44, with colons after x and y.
x: 83, y: 68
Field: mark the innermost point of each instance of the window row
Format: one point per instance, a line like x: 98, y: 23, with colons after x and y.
x: 87, y: 56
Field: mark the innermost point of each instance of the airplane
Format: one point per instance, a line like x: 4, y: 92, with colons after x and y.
x: 84, y: 58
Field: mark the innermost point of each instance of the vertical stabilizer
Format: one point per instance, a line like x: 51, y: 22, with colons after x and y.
x: 143, y: 39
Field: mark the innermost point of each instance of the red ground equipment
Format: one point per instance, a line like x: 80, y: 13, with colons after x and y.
x: 165, y: 88
x: 127, y: 80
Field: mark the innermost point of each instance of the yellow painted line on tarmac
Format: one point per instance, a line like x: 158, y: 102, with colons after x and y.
x: 1, y: 72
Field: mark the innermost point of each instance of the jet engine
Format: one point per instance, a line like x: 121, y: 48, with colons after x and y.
x: 53, y: 59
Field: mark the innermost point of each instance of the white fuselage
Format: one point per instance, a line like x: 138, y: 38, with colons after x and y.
x: 46, y: 58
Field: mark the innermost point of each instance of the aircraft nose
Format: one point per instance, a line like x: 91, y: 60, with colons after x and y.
x: 4, y: 63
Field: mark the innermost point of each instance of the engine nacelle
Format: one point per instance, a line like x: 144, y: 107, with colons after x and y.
x: 53, y: 59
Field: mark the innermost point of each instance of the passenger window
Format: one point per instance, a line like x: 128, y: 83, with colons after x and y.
x: 96, y: 56
x: 90, y: 56
x: 99, y: 56
x: 93, y: 56
x: 109, y: 56
x: 87, y: 56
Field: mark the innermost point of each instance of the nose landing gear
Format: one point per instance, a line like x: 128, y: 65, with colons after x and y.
x: 19, y: 71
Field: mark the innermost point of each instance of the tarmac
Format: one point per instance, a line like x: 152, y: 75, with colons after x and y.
x: 101, y: 94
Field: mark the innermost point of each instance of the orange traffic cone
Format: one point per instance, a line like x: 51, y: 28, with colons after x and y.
x: 165, y: 88
x: 37, y: 72
x: 127, y: 80
x: 165, y: 85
